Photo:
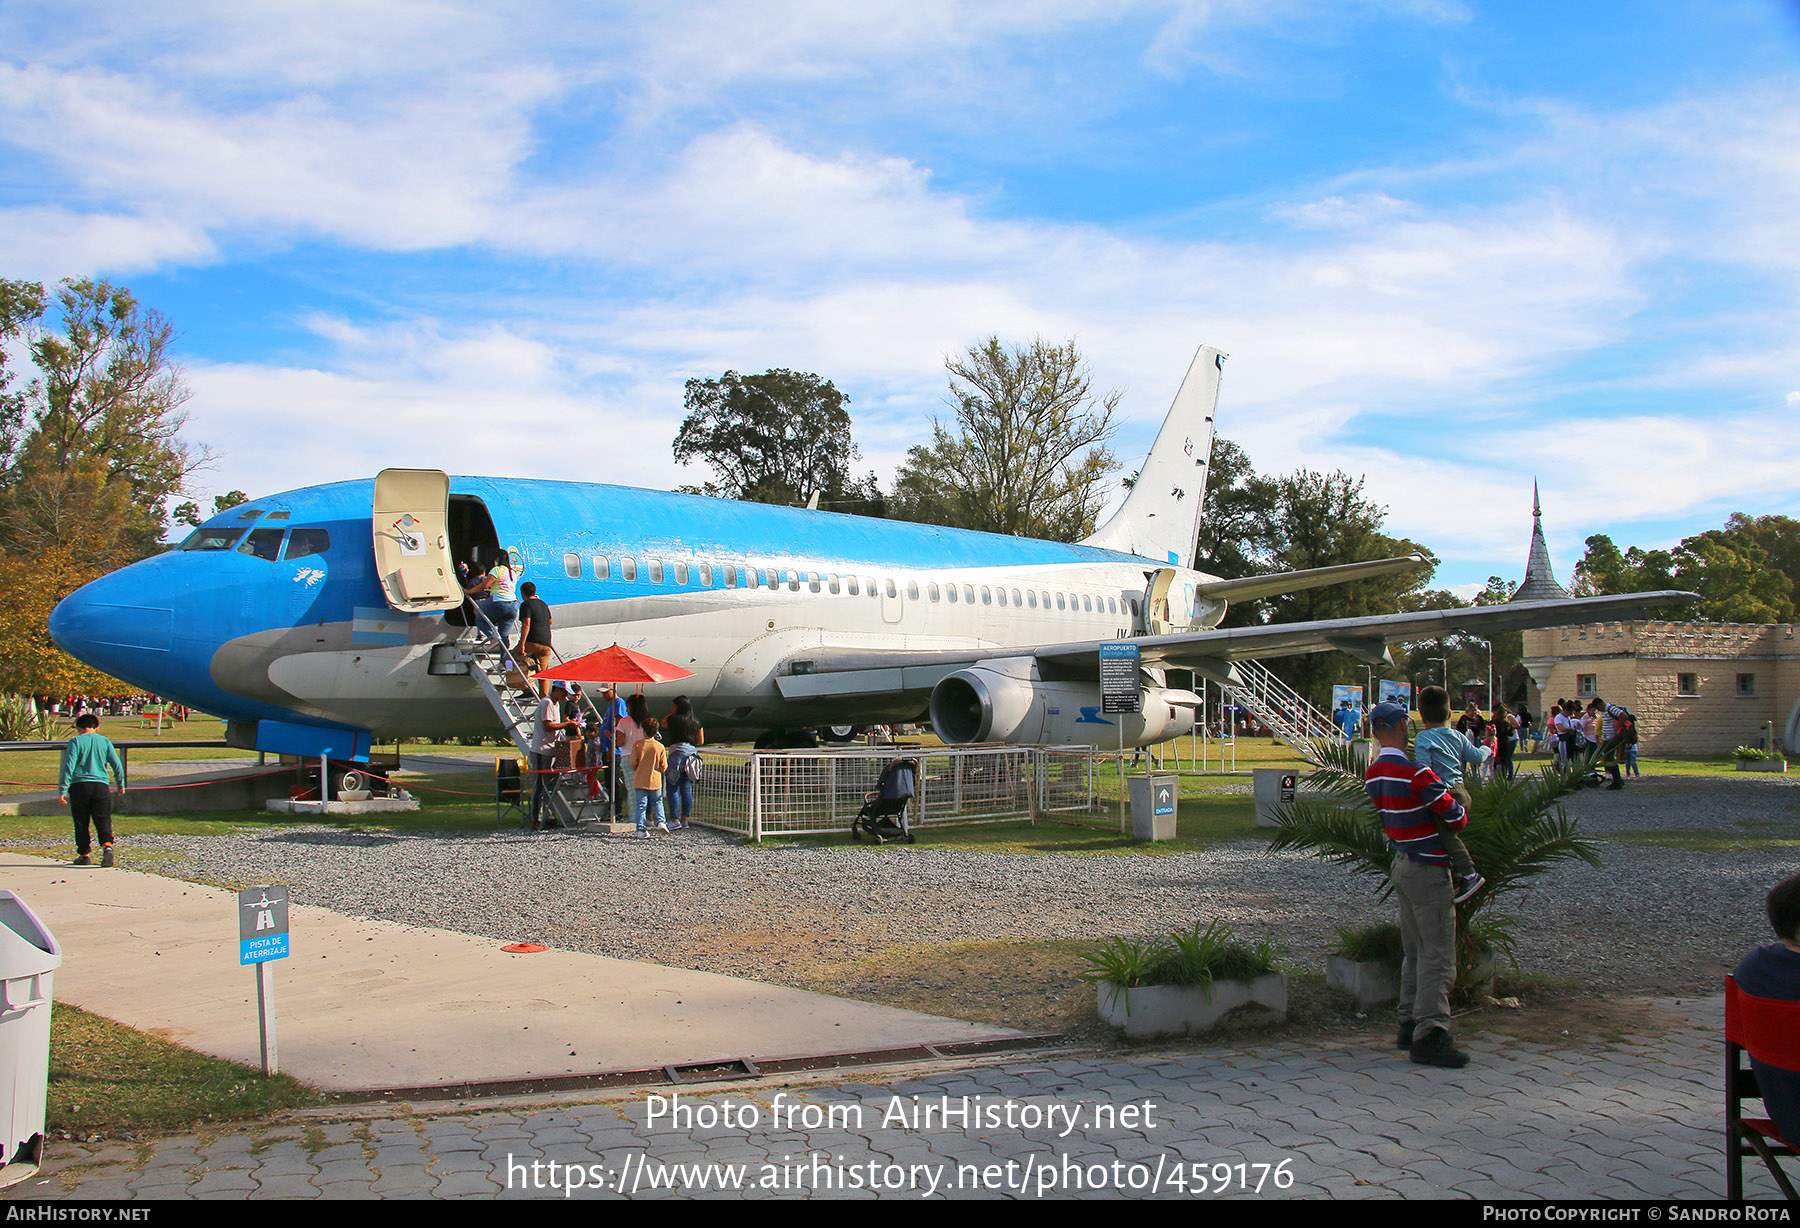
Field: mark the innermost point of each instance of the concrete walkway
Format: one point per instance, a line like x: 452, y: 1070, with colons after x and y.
x: 1635, y: 1118
x: 365, y: 1005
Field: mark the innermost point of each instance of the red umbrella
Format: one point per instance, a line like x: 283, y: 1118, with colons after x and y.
x: 616, y: 664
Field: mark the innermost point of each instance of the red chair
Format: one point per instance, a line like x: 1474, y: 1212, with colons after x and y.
x: 1769, y: 1031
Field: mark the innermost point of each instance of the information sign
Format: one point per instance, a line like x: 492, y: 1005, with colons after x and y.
x: 263, y: 924
x: 1121, y: 690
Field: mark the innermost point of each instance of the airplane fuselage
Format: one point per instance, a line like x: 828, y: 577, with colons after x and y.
x: 275, y: 611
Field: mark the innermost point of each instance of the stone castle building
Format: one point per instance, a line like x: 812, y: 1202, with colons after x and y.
x: 1697, y: 688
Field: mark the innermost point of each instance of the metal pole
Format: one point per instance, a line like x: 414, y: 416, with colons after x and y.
x: 265, y: 1015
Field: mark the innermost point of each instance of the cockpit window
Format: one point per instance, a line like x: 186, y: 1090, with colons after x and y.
x: 263, y: 543
x: 308, y: 541
x: 213, y: 538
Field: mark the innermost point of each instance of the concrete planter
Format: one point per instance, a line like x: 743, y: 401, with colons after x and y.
x: 1150, y: 1012
x: 1372, y: 984
x: 1762, y: 765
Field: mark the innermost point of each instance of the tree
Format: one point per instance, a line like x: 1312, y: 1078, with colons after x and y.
x: 94, y: 451
x: 1321, y: 520
x: 1237, y: 518
x: 1028, y: 456
x: 778, y: 437
x: 189, y: 513
x: 1748, y: 571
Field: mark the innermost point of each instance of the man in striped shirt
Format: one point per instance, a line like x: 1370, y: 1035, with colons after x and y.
x: 1413, y: 802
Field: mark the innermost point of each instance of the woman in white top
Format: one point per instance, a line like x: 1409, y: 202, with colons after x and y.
x: 498, y: 596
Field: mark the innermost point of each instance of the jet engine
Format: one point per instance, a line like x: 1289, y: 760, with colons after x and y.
x: 1005, y: 701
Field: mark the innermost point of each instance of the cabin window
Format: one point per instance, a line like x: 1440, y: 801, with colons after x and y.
x: 1032, y: 597
x: 730, y: 575
x: 628, y: 568
x: 263, y: 543
x: 1016, y: 601
x: 969, y: 593
x: 831, y: 582
x: 793, y: 581
x: 304, y: 542
x: 602, y: 568
x: 812, y: 581
x: 212, y: 539
x: 987, y: 598
x: 572, y: 566
x: 1046, y: 601
x: 869, y: 583
x: 681, y: 573
x: 852, y: 587
x: 912, y: 590
x: 952, y: 593
x: 1059, y: 602
x: 1087, y: 603
x: 774, y: 578
x: 656, y: 571
x: 706, y: 575
x: 1131, y: 603
x: 1000, y: 592
x: 932, y: 592
x: 1112, y: 605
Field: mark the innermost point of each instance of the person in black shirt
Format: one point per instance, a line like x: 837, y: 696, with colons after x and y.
x: 534, y: 631
x: 685, y: 738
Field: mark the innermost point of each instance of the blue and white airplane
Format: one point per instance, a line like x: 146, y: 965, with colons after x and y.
x: 315, y: 619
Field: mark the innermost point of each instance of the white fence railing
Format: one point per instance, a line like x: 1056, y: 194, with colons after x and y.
x: 797, y: 792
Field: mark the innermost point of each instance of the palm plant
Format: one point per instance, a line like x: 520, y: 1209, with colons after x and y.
x: 20, y: 721
x: 1517, y: 830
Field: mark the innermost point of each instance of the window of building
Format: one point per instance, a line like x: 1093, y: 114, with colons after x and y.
x: 1687, y: 684
x: 303, y: 542
x: 572, y: 566
x: 656, y: 571
x: 1746, y: 683
x: 681, y: 573
x: 627, y: 568
x: 602, y: 568
x: 1587, y: 685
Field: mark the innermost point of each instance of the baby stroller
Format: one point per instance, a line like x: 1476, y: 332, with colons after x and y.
x: 883, y: 814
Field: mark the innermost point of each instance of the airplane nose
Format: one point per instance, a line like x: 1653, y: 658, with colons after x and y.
x: 122, y: 624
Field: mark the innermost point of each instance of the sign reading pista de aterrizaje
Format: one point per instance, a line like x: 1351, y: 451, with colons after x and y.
x: 1121, y: 689
x: 263, y: 924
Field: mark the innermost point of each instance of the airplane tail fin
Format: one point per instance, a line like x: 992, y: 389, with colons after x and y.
x: 1160, y: 518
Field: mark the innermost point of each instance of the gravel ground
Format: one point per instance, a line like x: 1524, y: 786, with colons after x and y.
x: 1663, y: 920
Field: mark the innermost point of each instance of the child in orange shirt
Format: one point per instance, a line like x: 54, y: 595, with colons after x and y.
x: 648, y: 763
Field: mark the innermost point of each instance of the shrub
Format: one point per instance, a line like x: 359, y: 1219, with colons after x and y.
x: 1753, y: 753
x: 1194, y: 957
x: 1373, y: 944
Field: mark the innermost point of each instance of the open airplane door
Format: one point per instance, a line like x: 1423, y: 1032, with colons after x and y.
x: 412, y: 540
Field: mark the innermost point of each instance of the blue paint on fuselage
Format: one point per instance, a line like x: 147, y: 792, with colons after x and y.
x: 217, y: 596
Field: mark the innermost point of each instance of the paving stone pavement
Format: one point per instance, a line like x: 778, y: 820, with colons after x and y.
x: 1633, y: 1118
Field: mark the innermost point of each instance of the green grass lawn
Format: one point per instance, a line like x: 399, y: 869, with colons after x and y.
x: 106, y: 1078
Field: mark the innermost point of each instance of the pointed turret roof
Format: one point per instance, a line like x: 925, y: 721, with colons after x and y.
x: 1539, y: 583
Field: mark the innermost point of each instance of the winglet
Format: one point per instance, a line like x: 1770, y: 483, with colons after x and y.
x: 1160, y: 518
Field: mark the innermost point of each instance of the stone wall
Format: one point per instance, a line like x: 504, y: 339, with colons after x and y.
x: 1646, y: 665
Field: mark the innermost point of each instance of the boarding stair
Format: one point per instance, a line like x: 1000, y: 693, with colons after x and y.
x: 499, y: 674
x: 1283, y: 709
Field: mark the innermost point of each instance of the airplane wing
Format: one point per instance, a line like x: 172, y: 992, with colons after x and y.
x: 1249, y: 588
x: 852, y: 671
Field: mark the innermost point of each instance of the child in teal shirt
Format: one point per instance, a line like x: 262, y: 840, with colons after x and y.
x: 1446, y: 751
x: 82, y: 786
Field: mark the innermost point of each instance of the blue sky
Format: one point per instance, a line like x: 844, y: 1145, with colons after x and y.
x: 1452, y: 246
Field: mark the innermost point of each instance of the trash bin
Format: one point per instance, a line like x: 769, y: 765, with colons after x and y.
x: 1153, y: 806
x: 28, y: 955
x: 1273, y: 787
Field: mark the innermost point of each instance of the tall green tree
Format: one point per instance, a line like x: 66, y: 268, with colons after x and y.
x: 1237, y: 519
x: 93, y: 448
x: 1026, y: 452
x: 1322, y: 519
x: 779, y: 437
x: 1748, y: 571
